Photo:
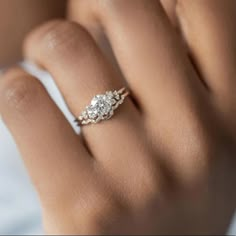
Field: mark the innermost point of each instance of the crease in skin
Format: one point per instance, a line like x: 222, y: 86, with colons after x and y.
x: 170, y: 8
x: 211, y: 21
x: 4, y: 69
x: 173, y: 9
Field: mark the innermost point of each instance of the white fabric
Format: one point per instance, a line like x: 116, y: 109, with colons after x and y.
x: 19, y: 206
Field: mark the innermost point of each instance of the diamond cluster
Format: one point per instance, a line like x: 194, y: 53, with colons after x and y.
x: 101, y: 107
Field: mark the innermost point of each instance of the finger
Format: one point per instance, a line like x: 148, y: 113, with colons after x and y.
x: 81, y: 71
x: 158, y: 70
x: 148, y: 50
x: 80, y: 11
x: 170, y: 9
x: 209, y: 29
x: 54, y: 155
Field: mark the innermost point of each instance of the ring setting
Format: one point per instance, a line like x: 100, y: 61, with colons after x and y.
x: 102, y: 107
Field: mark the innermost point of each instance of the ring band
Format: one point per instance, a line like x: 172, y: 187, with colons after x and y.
x: 102, y: 107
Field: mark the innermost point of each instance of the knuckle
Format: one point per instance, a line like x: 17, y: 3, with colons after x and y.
x: 96, y: 212
x: 192, y: 152
x: 19, y: 92
x: 148, y: 181
x: 196, y: 138
x: 63, y: 37
x: 198, y: 146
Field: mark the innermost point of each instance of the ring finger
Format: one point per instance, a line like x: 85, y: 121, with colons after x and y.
x: 69, y: 53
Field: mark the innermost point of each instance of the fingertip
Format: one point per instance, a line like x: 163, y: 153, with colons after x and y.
x: 33, y: 38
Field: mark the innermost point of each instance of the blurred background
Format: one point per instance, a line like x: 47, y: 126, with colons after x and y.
x: 20, y: 212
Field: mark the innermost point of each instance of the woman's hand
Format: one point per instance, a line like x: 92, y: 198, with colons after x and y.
x: 165, y: 163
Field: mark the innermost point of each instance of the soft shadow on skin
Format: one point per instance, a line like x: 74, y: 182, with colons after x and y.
x: 20, y: 17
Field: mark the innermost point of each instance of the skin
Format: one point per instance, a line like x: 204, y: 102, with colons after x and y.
x: 165, y: 163
x: 17, y: 18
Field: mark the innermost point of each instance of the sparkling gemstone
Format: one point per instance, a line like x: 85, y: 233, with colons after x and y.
x: 109, y: 95
x: 100, y: 105
x: 84, y: 115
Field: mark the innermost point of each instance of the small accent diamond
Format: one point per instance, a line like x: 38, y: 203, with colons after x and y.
x: 100, y: 106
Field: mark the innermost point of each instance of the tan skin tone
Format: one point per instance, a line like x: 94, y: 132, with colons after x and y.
x: 165, y: 163
x: 17, y: 18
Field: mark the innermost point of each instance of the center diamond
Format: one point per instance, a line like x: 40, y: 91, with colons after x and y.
x: 100, y: 106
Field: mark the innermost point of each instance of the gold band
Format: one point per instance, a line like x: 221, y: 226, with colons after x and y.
x: 102, y: 106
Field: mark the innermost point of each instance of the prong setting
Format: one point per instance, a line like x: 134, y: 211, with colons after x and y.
x: 102, y: 107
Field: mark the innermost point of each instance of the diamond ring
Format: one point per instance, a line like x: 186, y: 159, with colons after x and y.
x: 102, y: 107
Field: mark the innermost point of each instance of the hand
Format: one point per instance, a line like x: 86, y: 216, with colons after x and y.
x: 20, y: 17
x: 165, y: 163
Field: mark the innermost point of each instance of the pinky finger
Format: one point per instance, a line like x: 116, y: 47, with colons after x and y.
x: 53, y: 153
